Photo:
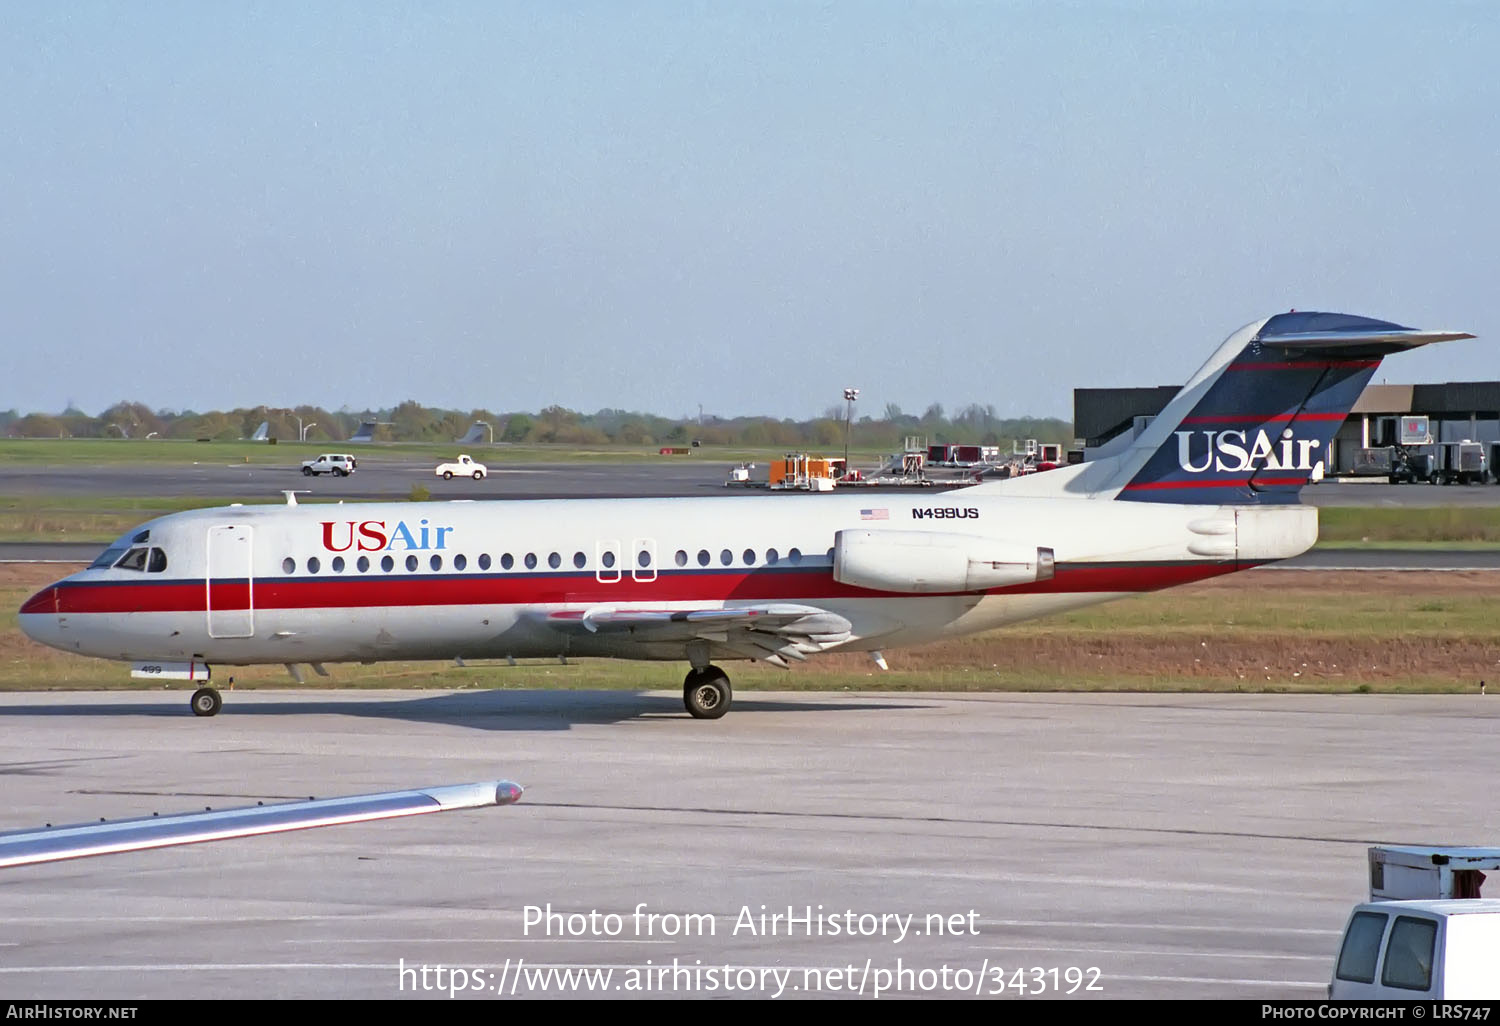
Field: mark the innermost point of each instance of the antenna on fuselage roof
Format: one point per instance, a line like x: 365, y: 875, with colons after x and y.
x: 292, y: 493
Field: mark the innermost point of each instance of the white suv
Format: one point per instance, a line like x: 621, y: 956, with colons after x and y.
x: 339, y: 464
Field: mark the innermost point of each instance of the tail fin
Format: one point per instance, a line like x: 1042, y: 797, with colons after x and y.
x: 475, y: 433
x: 262, y: 433
x: 1255, y: 420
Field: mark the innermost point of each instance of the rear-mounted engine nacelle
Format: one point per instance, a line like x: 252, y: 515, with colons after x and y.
x: 926, y: 561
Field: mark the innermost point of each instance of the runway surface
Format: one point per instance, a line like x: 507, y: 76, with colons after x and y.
x: 377, y: 477
x: 1182, y: 846
x: 382, y: 476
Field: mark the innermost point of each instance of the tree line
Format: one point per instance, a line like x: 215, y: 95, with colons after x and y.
x: 974, y: 424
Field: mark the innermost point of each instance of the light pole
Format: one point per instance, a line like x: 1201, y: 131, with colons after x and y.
x: 489, y: 428
x: 850, y: 394
x: 302, y: 431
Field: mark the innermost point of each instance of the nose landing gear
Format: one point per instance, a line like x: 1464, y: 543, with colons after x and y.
x: 206, y: 702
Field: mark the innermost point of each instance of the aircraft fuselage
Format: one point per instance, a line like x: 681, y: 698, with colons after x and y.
x: 485, y: 579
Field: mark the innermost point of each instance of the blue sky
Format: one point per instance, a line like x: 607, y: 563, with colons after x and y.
x: 744, y: 205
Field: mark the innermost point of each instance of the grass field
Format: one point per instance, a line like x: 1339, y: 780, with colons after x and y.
x: 96, y: 451
x: 1276, y: 631
x: 88, y: 518
x: 1349, y: 525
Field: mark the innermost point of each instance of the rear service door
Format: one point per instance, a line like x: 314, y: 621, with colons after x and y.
x: 230, y: 585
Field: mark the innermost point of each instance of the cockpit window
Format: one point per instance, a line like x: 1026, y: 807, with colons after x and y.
x: 107, y: 557
x: 158, y: 562
x: 135, y: 559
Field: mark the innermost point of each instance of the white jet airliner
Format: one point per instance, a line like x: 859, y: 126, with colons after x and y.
x: 1208, y: 488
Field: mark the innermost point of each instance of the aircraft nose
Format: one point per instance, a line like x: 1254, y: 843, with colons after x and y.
x: 38, y: 616
x: 44, y: 601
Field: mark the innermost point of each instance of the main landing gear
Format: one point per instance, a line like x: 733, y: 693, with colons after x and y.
x: 706, y: 693
x: 206, y: 702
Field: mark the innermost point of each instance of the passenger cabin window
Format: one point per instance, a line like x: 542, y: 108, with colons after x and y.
x: 1408, y: 954
x: 411, y: 562
x: 795, y: 556
x: 313, y: 566
x: 506, y: 561
x: 1361, y: 947
x: 337, y: 564
x: 579, y: 559
x: 288, y: 565
x: 484, y: 561
x: 531, y: 560
x: 749, y: 555
x: 726, y: 557
x: 607, y: 560
x: 554, y: 561
x: 387, y: 564
x: 771, y: 556
x: 363, y: 564
x: 681, y: 558
x: 460, y: 562
x: 436, y: 562
x: 703, y: 557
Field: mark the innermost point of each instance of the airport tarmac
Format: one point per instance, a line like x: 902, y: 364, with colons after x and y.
x: 1171, y: 846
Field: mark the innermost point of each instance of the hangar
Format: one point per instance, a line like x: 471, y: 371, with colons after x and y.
x: 1457, y: 411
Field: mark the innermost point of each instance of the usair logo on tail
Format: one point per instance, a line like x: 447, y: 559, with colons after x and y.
x: 1202, y: 451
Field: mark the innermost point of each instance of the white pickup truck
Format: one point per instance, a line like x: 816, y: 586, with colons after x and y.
x: 463, y: 467
x: 339, y: 464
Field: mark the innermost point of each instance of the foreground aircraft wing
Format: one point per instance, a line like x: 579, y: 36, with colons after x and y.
x: 772, y: 633
x: 53, y: 844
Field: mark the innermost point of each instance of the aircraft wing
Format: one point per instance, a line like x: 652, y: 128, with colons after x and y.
x: 53, y: 844
x: 772, y: 633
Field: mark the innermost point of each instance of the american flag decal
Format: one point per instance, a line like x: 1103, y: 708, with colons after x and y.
x: 874, y: 514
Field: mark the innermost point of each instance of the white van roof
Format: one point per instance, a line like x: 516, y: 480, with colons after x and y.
x: 1438, y: 906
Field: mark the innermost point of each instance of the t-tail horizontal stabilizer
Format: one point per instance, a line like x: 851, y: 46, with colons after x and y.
x: 53, y: 844
x: 1253, y: 424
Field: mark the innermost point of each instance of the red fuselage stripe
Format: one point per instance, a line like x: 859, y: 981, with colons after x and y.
x: 1303, y: 365
x: 345, y: 592
x: 1257, y: 418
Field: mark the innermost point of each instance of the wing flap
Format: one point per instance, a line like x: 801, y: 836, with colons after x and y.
x: 770, y: 633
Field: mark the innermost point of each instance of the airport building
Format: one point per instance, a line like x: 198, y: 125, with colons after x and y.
x: 1457, y: 411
